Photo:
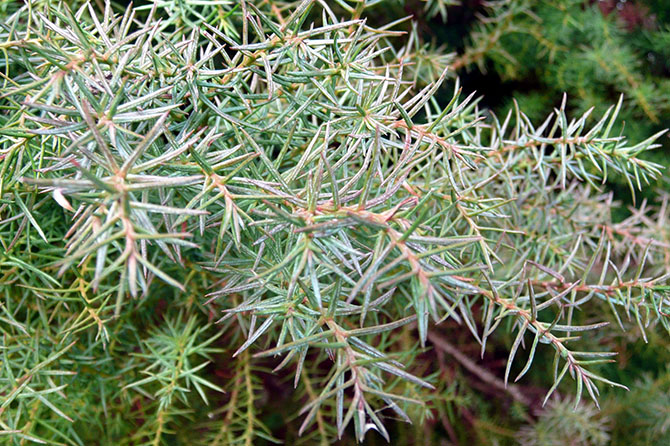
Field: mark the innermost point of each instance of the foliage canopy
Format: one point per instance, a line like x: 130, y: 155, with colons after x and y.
x: 278, y: 182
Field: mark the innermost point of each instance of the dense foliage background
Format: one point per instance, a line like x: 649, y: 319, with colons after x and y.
x: 87, y: 359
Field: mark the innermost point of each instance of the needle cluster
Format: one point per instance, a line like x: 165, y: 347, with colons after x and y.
x: 191, y: 187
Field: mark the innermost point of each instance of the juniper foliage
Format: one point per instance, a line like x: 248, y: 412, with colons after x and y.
x: 192, y: 192
x: 598, y: 50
